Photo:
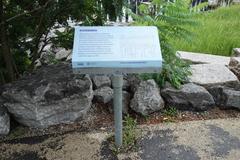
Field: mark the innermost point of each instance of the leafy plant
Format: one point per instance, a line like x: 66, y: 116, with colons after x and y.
x: 171, y: 112
x: 170, y: 18
x: 26, y: 28
x: 130, y: 136
x: 63, y: 39
x: 129, y: 132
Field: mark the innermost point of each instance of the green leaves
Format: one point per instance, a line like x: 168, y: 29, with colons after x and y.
x: 28, y: 24
x: 171, y: 19
x: 63, y: 39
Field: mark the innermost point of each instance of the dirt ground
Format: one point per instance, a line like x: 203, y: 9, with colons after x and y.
x: 76, y: 141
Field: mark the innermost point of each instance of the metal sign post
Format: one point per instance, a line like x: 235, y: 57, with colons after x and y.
x: 117, y: 82
x: 116, y: 51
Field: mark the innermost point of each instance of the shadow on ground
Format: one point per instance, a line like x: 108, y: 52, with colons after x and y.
x: 160, y: 146
x: 222, y: 141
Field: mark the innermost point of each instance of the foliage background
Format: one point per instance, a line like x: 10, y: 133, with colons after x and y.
x: 218, y: 33
x: 26, y: 25
x: 171, y: 19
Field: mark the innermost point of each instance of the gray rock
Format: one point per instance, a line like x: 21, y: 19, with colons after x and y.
x: 126, y: 85
x: 147, y: 98
x: 126, y: 101
x: 201, y: 58
x: 4, y: 123
x: 49, y: 96
x: 232, y: 98
x: 63, y: 54
x: 47, y: 58
x: 69, y: 58
x: 4, y: 117
x: 38, y: 63
x: 236, y: 52
x: 226, y: 97
x: 132, y: 83
x: 126, y: 97
x: 103, y: 95
x: 190, y: 96
x: 234, y: 66
x: 212, y: 74
x: 100, y: 81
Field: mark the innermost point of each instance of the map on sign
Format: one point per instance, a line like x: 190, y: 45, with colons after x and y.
x: 116, y: 48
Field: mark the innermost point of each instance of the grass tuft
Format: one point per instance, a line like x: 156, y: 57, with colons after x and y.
x: 218, y: 33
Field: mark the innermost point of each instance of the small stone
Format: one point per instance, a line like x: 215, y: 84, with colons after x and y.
x: 234, y: 66
x: 236, y: 52
x: 125, y: 103
x: 232, y: 98
x: 147, y: 98
x: 126, y: 85
x: 69, y: 58
x: 189, y: 97
x: 133, y: 82
x: 100, y: 81
x: 47, y: 58
x: 38, y: 63
x: 4, y: 122
x: 62, y: 54
x: 103, y: 95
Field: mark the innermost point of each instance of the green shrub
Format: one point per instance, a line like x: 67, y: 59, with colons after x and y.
x: 129, y: 132
x: 130, y: 136
x: 171, y: 20
x: 64, y: 39
x: 171, y: 112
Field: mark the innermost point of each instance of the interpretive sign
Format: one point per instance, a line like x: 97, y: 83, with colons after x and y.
x: 116, y: 50
x: 109, y: 50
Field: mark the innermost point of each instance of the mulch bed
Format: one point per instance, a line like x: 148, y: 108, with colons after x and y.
x: 101, y: 119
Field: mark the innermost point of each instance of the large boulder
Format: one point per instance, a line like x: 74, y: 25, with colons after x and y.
x: 103, y: 95
x: 201, y: 58
x: 226, y: 97
x: 51, y: 95
x: 147, y: 98
x: 208, y: 75
x: 189, y: 96
x: 234, y: 66
x: 100, y: 81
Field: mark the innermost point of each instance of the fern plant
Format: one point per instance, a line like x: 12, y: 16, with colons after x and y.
x: 171, y: 19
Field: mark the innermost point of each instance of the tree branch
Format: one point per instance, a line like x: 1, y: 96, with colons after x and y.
x: 25, y: 13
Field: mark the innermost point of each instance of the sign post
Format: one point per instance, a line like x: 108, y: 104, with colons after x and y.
x: 117, y: 82
x: 116, y: 51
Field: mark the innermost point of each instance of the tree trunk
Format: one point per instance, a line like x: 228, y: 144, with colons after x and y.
x: 5, y: 50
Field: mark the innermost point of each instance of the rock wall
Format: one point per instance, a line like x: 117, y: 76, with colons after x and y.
x: 53, y: 94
